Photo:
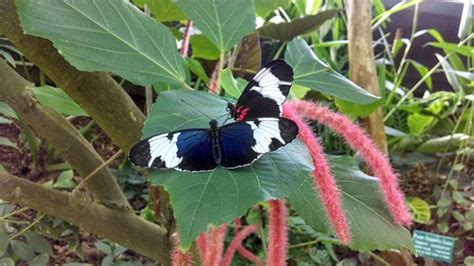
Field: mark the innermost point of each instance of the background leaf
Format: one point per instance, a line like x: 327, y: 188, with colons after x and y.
x: 223, y: 22
x: 232, y: 87
x: 420, y: 210
x: 38, y: 243
x: 3, y: 239
x: 201, y: 199
x: 6, y: 110
x: 106, y: 36
x: 163, y: 10
x: 248, y: 60
x: 40, y: 260
x: 313, y: 73
x: 371, y: 224
x: 58, y: 100
x: 7, y: 142
x: 65, y: 180
x: 203, y: 48
x: 265, y: 7
x: 286, y: 31
x: 22, y: 250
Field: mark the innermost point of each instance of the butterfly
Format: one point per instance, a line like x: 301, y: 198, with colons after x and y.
x: 258, y: 129
x: 265, y: 94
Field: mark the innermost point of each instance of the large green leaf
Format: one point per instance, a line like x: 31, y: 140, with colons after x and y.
x: 163, y: 10
x: 286, y: 31
x: 58, y: 100
x: 313, y: 73
x: 203, y: 48
x: 264, y: 7
x: 370, y: 223
x: 106, y: 36
x: 219, y: 196
x: 223, y: 22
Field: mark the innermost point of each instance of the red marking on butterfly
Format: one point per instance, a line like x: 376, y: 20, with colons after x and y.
x: 241, y: 112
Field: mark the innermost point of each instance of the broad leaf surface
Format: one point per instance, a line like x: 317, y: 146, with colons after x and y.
x: 223, y: 22
x: 370, y: 222
x: 163, y: 10
x: 312, y: 73
x: 265, y: 7
x: 203, y: 48
x: 219, y: 196
x: 286, y: 31
x: 106, y: 35
x: 58, y: 100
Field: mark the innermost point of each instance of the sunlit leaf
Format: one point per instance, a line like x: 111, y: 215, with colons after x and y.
x: 106, y: 36
x: 223, y: 22
x: 233, y: 87
x: 313, y: 73
x: 8, y: 143
x: 420, y: 210
x: 163, y: 10
x: 265, y: 7
x: 58, y: 100
x: 203, y: 48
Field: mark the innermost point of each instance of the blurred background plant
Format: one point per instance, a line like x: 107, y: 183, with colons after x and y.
x: 424, y: 59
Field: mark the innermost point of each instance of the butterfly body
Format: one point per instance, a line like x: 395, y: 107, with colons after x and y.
x: 258, y: 129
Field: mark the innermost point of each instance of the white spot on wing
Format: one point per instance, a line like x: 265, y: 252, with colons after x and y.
x: 166, y: 149
x: 269, y: 86
x: 267, y: 129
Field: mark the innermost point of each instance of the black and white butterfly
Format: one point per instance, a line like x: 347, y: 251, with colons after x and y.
x: 265, y: 94
x: 258, y: 129
x: 233, y: 145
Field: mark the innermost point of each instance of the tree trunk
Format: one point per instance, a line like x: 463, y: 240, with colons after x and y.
x: 65, y: 138
x: 120, y: 226
x: 361, y: 62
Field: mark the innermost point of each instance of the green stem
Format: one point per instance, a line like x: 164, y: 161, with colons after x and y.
x: 219, y: 71
x: 37, y: 220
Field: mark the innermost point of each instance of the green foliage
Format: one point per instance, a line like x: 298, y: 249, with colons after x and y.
x: 203, y: 48
x: 370, y: 223
x: 163, y: 10
x: 287, y: 31
x: 65, y: 180
x: 108, y: 36
x: 264, y: 7
x: 202, y: 199
x: 420, y: 210
x: 233, y: 86
x: 311, y: 72
x: 58, y: 100
x: 223, y: 22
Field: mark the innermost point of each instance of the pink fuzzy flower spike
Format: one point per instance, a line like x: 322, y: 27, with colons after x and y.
x: 241, y: 249
x: 323, y: 179
x: 211, y: 245
x: 359, y: 141
x: 237, y: 243
x: 180, y: 257
x: 278, y: 239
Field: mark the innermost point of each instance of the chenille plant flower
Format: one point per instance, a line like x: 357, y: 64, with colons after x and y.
x: 210, y: 244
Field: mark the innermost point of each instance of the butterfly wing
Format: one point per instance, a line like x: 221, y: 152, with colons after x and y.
x: 185, y: 150
x: 265, y: 93
x: 243, y: 142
